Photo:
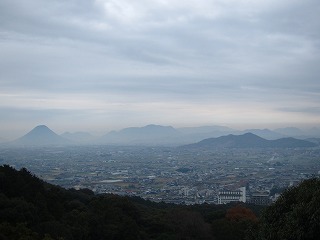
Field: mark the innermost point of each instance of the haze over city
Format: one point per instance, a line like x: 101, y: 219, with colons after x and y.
x: 101, y: 65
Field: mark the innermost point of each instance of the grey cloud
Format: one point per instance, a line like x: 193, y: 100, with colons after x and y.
x: 265, y: 52
x: 304, y: 110
x: 300, y: 18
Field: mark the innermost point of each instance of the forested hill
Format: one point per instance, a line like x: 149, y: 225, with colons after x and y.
x: 33, y: 209
x: 249, y: 140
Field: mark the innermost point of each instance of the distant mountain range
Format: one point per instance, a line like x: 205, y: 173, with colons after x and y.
x: 155, y: 135
x: 264, y: 133
x: 147, y: 135
x: 249, y: 140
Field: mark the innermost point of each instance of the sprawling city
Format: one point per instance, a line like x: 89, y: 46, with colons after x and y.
x: 170, y: 174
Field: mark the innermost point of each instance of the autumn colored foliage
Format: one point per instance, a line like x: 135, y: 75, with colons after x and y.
x: 240, y: 213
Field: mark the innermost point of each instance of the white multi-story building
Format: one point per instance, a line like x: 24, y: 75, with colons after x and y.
x: 227, y: 196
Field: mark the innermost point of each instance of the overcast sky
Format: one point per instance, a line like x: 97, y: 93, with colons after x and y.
x: 98, y: 65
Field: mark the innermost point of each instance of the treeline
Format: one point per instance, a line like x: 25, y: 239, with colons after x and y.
x: 33, y: 209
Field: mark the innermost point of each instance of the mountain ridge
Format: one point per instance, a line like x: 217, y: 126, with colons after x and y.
x: 149, y: 134
x: 249, y: 140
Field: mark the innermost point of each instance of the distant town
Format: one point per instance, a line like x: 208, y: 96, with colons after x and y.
x: 170, y: 174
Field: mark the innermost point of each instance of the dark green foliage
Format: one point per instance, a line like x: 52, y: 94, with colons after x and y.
x: 33, y: 209
x: 276, y: 190
x: 190, y: 225
x: 16, y: 232
x: 295, y: 215
x: 238, y: 223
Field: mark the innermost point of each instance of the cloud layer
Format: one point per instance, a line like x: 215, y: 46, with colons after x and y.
x: 104, y: 64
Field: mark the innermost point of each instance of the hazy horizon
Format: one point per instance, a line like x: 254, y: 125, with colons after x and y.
x: 18, y: 134
x: 102, y: 65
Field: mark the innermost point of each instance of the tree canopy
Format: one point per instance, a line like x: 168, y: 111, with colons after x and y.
x: 295, y: 215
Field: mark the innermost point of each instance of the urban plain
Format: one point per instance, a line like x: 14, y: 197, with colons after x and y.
x: 168, y: 174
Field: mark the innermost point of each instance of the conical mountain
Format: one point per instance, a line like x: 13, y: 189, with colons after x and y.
x: 41, y: 136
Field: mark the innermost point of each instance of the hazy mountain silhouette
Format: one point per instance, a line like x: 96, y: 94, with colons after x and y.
x: 166, y: 136
x: 291, y: 142
x: 199, y: 133
x: 265, y: 133
x: 40, y: 136
x: 299, y: 133
x: 314, y: 140
x: 249, y: 140
x: 313, y: 132
x: 148, y: 135
x: 290, y: 131
x: 78, y: 137
x: 194, y: 134
x: 205, y: 129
